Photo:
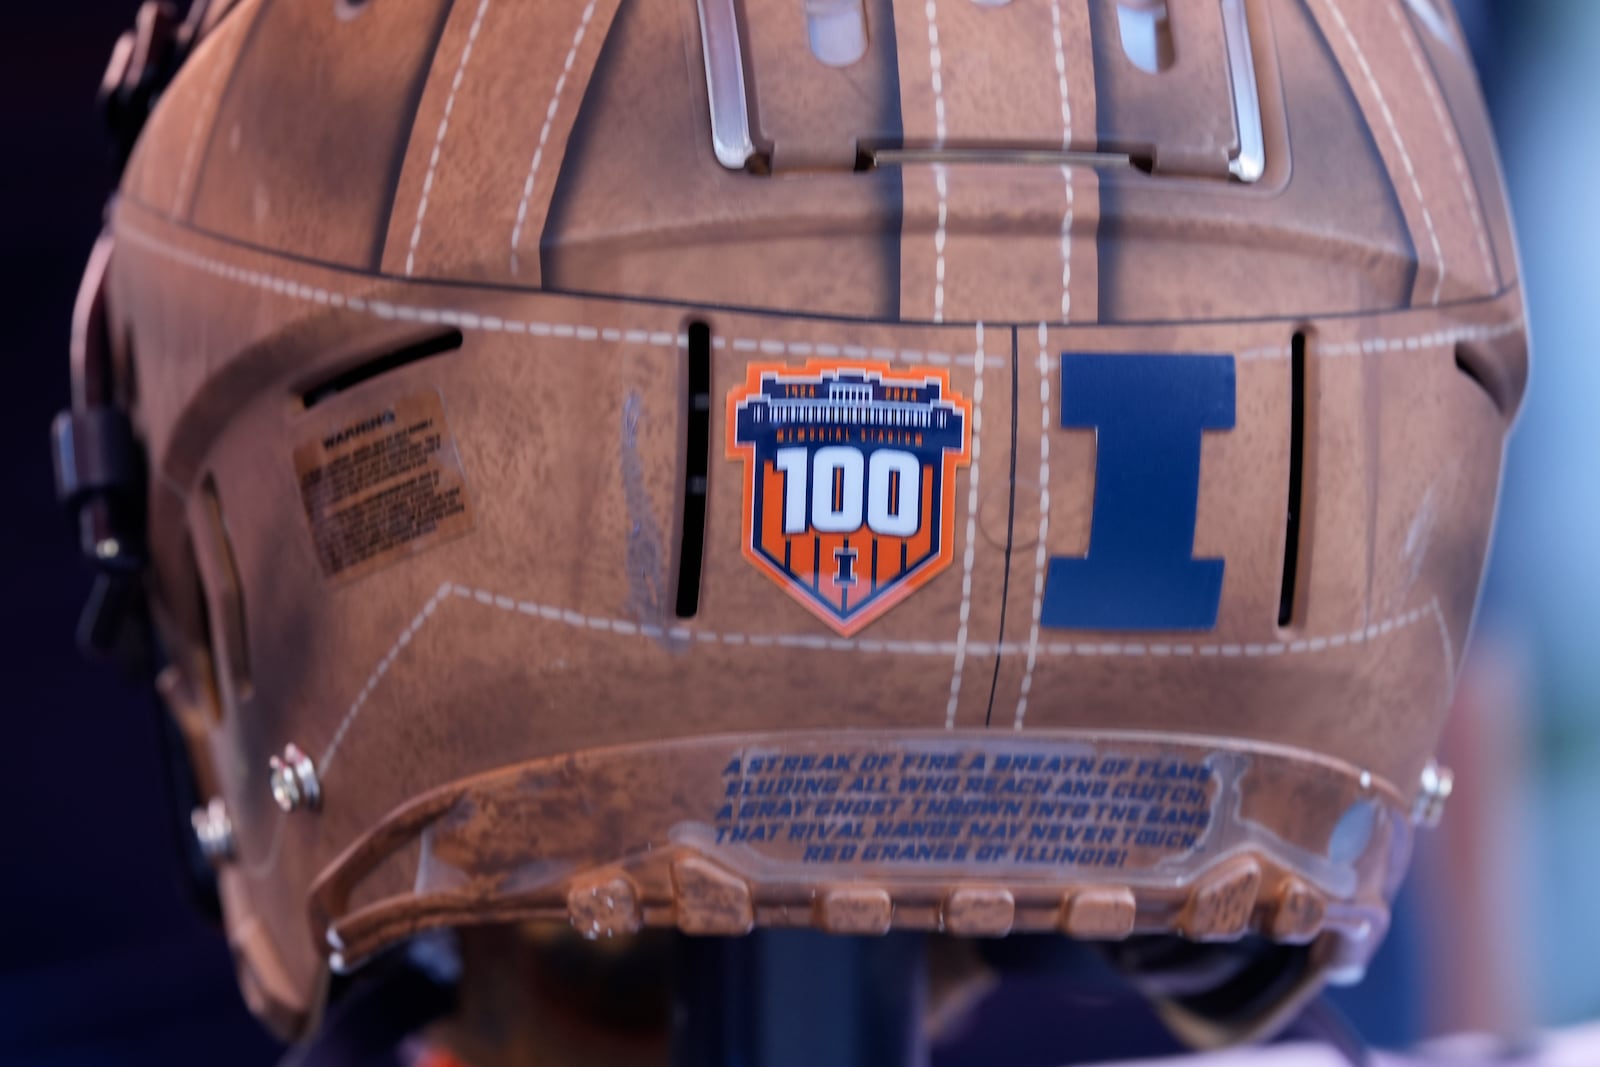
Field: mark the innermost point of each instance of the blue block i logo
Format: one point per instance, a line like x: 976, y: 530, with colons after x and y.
x: 1148, y: 414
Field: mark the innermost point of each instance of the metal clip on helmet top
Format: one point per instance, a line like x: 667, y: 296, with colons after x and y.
x: 142, y: 64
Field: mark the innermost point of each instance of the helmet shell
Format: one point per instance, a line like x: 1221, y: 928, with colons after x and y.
x: 448, y: 324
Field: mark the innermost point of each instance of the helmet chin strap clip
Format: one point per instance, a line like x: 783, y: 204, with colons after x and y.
x: 101, y: 479
x: 99, y: 464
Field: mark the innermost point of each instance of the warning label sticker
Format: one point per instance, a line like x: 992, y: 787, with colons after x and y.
x: 382, y: 486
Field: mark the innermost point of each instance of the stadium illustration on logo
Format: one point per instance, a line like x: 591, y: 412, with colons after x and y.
x: 849, y: 481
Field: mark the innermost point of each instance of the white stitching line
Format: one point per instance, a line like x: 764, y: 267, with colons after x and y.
x: 1039, y: 554
x: 936, y: 79
x: 972, y: 535
x: 935, y: 67
x: 817, y: 642
x: 623, y: 627
x: 468, y: 320
x: 544, y: 132
x: 1457, y: 153
x: 1449, y: 651
x: 1066, y: 172
x: 1416, y: 342
x: 940, y: 235
x: 1380, y: 345
x: 1405, y: 155
x: 417, y: 622
x: 186, y: 173
x: 1249, y: 651
x: 1264, y: 352
x: 1067, y: 219
x: 438, y: 139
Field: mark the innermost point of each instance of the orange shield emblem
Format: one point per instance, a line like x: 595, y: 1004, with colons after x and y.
x: 849, y: 487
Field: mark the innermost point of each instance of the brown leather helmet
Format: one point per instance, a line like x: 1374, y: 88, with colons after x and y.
x: 973, y: 465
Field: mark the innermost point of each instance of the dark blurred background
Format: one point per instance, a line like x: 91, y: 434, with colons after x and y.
x: 104, y: 960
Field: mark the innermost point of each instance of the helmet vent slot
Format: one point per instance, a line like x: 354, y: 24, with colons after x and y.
x: 1297, y: 453
x: 448, y: 341
x: 1476, y: 364
x: 1146, y: 34
x: 697, y: 458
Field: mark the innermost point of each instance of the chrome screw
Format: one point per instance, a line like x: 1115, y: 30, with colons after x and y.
x: 213, y: 830
x: 294, y: 780
x: 1436, y: 786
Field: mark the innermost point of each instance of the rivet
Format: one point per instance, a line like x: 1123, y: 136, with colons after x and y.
x: 294, y: 780
x: 213, y: 830
x: 1434, y: 791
